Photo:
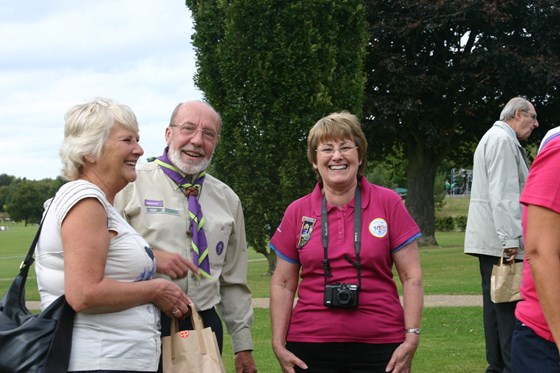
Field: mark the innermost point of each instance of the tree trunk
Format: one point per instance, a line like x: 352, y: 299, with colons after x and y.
x: 422, y: 167
x: 270, y: 256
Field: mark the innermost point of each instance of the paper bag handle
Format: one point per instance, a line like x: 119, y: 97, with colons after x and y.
x: 195, y: 318
x: 198, y: 325
x: 502, y: 259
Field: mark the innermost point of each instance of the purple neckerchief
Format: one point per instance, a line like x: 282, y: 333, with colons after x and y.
x: 191, y: 190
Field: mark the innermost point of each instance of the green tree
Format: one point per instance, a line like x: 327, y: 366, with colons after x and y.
x: 389, y: 172
x: 26, y: 202
x: 439, y: 73
x: 5, y: 182
x: 4, y: 192
x: 49, y: 187
x: 25, y: 198
x: 272, y: 69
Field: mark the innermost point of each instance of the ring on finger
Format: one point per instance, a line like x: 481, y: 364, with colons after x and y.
x: 176, y: 311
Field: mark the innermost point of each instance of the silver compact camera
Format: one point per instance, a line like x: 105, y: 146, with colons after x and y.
x: 341, y: 295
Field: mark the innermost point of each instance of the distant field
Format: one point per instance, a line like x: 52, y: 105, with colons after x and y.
x: 446, y: 269
x: 454, y: 206
x: 14, y: 244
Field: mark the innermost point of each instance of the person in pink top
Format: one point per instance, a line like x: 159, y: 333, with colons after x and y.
x: 536, y: 338
x: 339, y: 259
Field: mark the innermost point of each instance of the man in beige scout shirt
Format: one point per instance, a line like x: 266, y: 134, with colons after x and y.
x: 187, y: 215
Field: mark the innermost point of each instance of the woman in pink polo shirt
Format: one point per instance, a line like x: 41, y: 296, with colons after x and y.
x: 348, y: 316
x: 536, y: 338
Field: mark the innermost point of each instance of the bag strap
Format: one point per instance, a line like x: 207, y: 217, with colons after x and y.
x: 59, y: 354
x: 198, y: 325
x: 29, y: 259
x: 195, y: 318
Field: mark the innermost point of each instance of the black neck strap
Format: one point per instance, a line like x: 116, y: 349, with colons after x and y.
x: 357, y: 235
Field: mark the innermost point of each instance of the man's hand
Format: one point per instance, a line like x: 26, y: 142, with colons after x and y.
x: 244, y: 362
x: 511, y: 253
x: 173, y: 265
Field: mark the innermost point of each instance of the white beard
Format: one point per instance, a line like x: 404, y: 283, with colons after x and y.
x: 188, y: 168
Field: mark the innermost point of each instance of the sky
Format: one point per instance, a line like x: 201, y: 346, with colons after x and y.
x: 58, y: 53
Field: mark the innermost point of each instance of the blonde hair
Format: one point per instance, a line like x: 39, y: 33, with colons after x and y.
x: 86, y: 130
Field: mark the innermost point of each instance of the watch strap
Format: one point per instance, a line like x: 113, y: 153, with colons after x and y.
x: 416, y: 331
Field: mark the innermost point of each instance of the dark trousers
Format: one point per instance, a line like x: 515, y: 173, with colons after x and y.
x: 499, y: 322
x: 531, y: 353
x: 210, y: 319
x: 342, y: 357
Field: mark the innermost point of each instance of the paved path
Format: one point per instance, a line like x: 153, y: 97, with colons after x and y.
x: 429, y: 301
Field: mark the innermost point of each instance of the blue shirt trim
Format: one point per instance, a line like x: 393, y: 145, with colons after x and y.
x: 288, y: 259
x: 415, y: 237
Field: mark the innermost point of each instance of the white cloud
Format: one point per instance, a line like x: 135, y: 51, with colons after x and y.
x: 54, y: 54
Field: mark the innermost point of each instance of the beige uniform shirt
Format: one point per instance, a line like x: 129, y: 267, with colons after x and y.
x: 156, y: 207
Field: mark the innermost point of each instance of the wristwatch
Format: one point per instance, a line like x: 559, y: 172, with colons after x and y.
x: 413, y: 330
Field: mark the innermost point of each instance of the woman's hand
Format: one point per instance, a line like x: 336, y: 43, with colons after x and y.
x: 401, y: 360
x: 171, y: 299
x: 288, y: 360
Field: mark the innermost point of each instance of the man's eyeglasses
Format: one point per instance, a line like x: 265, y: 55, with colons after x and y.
x: 208, y: 134
x: 329, y: 150
x: 533, y: 116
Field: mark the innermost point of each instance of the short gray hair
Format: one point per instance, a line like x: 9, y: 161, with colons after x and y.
x: 516, y: 103
x: 86, y: 130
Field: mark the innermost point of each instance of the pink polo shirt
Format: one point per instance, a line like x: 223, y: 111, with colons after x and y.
x: 386, y: 227
x: 542, y: 189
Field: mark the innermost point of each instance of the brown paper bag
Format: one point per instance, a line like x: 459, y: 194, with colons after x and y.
x: 191, y: 351
x: 505, y: 282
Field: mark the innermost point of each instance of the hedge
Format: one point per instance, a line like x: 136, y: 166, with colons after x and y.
x: 451, y: 223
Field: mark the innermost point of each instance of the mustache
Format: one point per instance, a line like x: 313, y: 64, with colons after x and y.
x: 195, y: 149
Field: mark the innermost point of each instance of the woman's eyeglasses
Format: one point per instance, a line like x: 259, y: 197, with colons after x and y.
x: 329, y: 150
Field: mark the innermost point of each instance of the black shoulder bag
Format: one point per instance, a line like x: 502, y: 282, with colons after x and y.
x: 33, y: 342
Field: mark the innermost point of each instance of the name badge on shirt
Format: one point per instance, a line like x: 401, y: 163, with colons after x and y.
x: 156, y: 207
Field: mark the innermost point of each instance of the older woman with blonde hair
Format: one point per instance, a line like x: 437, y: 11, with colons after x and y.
x: 88, y: 252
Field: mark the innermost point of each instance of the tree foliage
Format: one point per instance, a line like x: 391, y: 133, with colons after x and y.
x: 25, y: 198
x: 272, y: 69
x: 439, y: 73
x: 25, y: 204
x: 5, y: 181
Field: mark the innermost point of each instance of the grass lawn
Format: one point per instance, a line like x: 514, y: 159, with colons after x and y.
x: 14, y: 244
x: 446, y: 270
x: 452, y: 339
x: 454, y: 206
x: 452, y: 342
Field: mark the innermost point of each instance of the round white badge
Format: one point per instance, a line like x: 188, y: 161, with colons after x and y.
x: 378, y: 227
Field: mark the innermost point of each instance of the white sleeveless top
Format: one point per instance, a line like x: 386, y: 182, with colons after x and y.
x: 125, y: 340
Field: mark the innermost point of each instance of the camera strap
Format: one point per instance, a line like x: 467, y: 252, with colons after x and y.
x: 357, y: 235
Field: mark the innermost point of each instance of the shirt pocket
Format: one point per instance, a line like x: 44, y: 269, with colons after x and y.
x: 218, y: 237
